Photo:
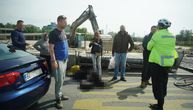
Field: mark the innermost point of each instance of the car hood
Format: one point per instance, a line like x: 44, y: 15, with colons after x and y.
x: 12, y: 63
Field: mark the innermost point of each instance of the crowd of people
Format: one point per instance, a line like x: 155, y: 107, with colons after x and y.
x: 158, y: 55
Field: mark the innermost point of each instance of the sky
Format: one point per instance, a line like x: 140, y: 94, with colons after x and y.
x: 137, y: 15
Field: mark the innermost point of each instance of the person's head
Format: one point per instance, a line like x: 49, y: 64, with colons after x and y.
x: 45, y: 36
x: 97, y: 35
x: 163, y: 24
x: 153, y: 29
x: 20, y: 25
x: 122, y: 28
x: 62, y: 22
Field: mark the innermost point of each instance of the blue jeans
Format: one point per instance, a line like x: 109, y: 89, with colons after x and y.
x: 120, y: 59
x: 96, y: 60
x: 59, y: 75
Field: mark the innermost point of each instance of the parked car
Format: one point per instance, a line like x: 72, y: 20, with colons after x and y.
x: 24, y: 78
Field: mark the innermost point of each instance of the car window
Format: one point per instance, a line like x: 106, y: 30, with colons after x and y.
x: 5, y: 53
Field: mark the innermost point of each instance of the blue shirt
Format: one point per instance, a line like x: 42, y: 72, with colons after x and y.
x: 18, y: 39
x: 58, y: 38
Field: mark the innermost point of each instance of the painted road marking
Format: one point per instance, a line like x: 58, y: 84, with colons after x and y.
x: 97, y: 104
x: 130, y: 94
x: 107, y: 99
x: 127, y: 84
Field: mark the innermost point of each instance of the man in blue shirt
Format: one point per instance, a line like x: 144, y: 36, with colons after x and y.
x: 58, y: 46
x: 17, y: 37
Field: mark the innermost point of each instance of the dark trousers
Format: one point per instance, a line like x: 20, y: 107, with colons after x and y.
x: 145, y: 72
x: 47, y: 57
x: 159, y: 76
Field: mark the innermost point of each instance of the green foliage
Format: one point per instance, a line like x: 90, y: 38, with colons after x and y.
x: 88, y: 37
x: 2, y: 25
x: 7, y: 25
x: 185, y: 37
x: 49, y: 27
x: 67, y: 29
x: 46, y: 29
x: 81, y: 30
x: 28, y: 28
x: 32, y: 29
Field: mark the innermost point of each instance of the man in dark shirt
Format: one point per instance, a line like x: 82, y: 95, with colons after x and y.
x: 58, y: 46
x: 145, y: 72
x: 17, y: 37
x: 120, y: 48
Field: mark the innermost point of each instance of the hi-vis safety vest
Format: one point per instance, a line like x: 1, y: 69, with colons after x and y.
x: 162, y: 47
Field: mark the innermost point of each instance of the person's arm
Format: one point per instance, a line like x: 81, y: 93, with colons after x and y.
x: 101, y: 44
x: 131, y: 43
x: 113, y: 46
x: 15, y: 37
x: 152, y: 42
x: 91, y: 43
x: 144, y: 42
x: 52, y: 55
x: 37, y: 45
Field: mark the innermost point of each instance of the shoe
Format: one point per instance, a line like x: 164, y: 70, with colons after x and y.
x: 147, y: 83
x: 143, y: 84
x: 155, y: 107
x: 113, y: 79
x: 59, y: 104
x: 123, y: 79
x: 64, y: 97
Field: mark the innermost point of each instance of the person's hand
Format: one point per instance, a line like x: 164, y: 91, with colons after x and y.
x: 95, y: 43
x: 129, y: 50
x: 54, y: 64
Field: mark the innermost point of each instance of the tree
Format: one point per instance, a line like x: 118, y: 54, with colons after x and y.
x: 32, y: 29
x: 2, y: 25
x: 9, y: 25
x: 81, y: 30
x: 185, y: 37
x: 88, y: 37
x: 46, y: 29
x: 49, y: 27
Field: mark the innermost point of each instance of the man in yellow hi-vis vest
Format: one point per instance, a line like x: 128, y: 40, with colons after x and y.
x: 162, y: 56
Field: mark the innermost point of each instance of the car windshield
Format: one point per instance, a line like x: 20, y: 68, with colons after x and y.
x: 5, y: 53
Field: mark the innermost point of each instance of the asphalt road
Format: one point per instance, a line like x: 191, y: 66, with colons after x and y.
x: 118, y: 96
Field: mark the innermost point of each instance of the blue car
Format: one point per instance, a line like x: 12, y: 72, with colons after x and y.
x: 24, y: 78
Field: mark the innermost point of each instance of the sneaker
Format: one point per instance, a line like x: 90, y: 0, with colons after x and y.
x: 147, y: 83
x: 123, y: 79
x: 64, y: 97
x: 59, y: 104
x: 114, y: 78
x: 143, y: 84
x: 155, y: 107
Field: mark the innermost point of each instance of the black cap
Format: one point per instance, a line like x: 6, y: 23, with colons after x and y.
x: 19, y: 21
x: 61, y: 17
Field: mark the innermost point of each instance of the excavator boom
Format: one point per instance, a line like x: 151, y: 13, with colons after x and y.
x: 87, y: 14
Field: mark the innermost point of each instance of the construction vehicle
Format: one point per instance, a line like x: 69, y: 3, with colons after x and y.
x: 93, y: 78
x: 87, y: 14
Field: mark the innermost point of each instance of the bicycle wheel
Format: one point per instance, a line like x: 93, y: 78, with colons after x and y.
x: 184, y: 82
